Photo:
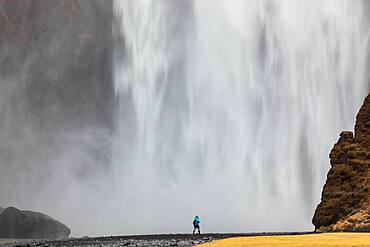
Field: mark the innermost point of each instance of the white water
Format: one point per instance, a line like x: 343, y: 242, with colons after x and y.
x: 228, y: 109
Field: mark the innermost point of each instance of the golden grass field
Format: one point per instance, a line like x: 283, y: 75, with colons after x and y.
x: 7, y: 241
x: 317, y: 240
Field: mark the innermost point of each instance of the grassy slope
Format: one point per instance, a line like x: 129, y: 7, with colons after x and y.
x: 324, y: 239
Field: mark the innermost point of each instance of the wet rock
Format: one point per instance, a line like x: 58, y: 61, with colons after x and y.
x: 15, y: 223
x: 42, y: 245
x: 345, y: 202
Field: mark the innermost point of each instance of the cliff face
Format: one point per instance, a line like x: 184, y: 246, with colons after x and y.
x: 345, y: 202
x: 56, y: 96
x: 63, y: 49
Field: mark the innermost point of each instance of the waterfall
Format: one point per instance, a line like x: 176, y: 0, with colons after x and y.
x: 229, y: 109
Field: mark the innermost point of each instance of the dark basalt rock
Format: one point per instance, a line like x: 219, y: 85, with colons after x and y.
x: 345, y: 202
x: 15, y: 223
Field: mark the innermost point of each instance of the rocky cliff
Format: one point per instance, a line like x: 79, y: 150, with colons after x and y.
x: 15, y: 223
x: 63, y: 49
x: 345, y: 202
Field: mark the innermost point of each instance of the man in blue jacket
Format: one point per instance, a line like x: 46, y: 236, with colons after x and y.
x: 196, y: 224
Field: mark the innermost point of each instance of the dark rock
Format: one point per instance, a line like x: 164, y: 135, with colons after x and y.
x: 1, y: 209
x: 42, y: 245
x: 345, y: 202
x: 15, y: 223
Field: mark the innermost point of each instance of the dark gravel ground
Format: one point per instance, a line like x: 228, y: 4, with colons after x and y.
x: 165, y: 240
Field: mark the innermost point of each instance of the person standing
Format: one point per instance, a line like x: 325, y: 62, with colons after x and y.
x: 196, y: 224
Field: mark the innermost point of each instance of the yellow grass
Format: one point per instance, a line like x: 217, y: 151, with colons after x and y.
x: 317, y: 240
x: 6, y: 241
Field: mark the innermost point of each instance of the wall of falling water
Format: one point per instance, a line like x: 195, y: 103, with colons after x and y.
x: 228, y: 109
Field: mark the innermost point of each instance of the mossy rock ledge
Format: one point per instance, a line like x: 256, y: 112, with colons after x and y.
x: 345, y: 201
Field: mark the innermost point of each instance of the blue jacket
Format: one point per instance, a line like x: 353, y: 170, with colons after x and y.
x: 196, y: 221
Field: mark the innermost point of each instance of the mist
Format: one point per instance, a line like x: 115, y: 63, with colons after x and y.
x: 132, y: 116
x: 56, y: 108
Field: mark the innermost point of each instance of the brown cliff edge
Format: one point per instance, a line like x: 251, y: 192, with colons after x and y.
x: 345, y: 201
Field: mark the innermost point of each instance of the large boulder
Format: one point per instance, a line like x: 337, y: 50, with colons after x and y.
x: 345, y: 202
x: 15, y: 223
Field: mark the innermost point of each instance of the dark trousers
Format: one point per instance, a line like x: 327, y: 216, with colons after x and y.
x: 196, y: 227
